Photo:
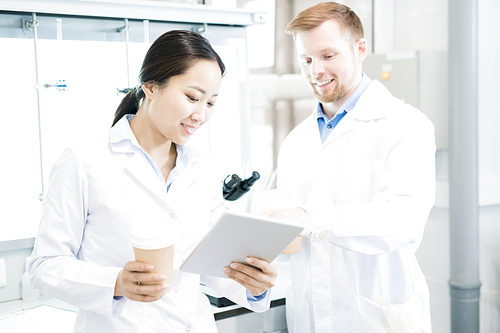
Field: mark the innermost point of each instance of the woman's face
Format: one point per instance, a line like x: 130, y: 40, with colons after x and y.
x: 177, y: 110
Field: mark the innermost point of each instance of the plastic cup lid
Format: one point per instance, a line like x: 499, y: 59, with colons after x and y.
x: 153, y: 235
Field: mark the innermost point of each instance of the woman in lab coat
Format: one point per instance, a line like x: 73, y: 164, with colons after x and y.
x: 142, y: 169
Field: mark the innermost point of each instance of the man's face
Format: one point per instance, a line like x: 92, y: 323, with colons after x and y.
x: 330, y: 63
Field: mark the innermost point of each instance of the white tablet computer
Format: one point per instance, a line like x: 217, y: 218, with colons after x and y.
x: 237, y: 236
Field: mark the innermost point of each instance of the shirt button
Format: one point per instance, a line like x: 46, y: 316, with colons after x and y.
x: 329, y: 126
x: 188, y: 329
x: 171, y: 216
x: 322, y: 235
x: 175, y: 291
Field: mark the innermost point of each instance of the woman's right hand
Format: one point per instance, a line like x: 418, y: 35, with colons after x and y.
x: 138, y: 282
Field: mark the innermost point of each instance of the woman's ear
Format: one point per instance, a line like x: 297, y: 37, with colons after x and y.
x: 148, y: 89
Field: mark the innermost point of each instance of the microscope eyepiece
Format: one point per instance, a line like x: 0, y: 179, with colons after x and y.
x: 233, y: 187
x: 250, y: 181
x: 229, y: 184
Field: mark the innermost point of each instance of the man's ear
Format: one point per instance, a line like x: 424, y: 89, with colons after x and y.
x: 361, y: 49
x: 148, y: 89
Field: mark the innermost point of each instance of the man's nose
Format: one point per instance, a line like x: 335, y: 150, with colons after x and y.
x: 317, y: 68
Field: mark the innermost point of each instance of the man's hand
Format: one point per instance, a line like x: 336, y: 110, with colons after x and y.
x: 137, y: 282
x: 256, y: 279
x: 293, y: 214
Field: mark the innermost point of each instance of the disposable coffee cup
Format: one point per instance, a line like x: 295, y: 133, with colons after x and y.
x: 294, y: 247
x: 154, y: 244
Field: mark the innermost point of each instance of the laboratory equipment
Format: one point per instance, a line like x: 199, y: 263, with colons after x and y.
x: 234, y: 188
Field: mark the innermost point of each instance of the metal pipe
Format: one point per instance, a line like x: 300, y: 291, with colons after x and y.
x: 126, y: 28
x: 463, y: 165
x: 32, y: 25
x: 373, y: 26
x: 146, y: 31
x: 59, y: 28
x: 126, y: 45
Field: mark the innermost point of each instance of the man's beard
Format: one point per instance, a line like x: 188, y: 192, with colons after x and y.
x: 339, y: 91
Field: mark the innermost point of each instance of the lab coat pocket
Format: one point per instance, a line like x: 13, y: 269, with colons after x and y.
x: 370, y: 316
x: 359, y: 178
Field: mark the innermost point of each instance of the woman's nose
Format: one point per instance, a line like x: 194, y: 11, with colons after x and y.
x: 200, y: 114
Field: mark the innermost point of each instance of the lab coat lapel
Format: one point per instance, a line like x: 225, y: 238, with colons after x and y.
x: 146, y: 175
x: 364, y: 111
x: 310, y: 134
x: 343, y: 127
x: 186, y: 178
x: 120, y: 139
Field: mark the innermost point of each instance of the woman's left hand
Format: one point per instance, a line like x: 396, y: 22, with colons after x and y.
x: 256, y: 279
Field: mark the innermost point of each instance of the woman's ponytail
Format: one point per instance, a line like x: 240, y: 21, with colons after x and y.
x: 129, y: 104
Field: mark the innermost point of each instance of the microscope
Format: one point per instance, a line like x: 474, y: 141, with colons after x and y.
x: 233, y: 187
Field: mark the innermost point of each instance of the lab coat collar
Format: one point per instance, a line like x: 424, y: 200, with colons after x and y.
x: 121, y: 137
x: 123, y: 140
x: 366, y: 109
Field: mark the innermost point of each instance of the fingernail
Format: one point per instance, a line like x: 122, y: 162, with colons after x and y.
x: 165, y: 286
x: 233, y: 266
x: 150, y: 267
x: 249, y: 260
x: 227, y: 270
x: 163, y: 277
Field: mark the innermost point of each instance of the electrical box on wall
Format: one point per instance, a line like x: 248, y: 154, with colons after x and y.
x: 418, y: 78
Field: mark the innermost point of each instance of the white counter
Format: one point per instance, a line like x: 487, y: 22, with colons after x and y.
x: 39, y: 316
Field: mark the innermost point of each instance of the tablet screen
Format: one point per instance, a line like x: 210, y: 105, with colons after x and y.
x: 236, y: 236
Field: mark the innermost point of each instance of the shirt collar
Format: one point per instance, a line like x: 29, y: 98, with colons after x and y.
x: 351, y: 101
x: 121, y: 136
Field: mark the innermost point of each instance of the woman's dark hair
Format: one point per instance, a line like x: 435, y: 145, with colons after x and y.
x: 173, y: 53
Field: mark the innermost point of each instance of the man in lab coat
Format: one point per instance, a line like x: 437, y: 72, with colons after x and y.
x: 359, y: 174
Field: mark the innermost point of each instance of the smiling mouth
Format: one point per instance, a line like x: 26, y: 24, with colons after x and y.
x: 323, y: 83
x: 189, y: 129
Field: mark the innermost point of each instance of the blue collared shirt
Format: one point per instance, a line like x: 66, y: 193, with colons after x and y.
x: 326, y: 125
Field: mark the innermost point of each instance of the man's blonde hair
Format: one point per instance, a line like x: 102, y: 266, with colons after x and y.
x: 313, y: 17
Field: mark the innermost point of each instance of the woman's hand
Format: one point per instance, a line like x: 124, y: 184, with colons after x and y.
x: 256, y: 279
x: 138, y: 282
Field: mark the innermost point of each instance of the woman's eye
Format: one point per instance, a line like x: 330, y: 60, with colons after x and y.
x: 211, y: 105
x: 192, y: 99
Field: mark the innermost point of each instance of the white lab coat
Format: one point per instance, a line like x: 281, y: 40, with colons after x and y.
x: 98, y: 190
x: 368, y: 190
